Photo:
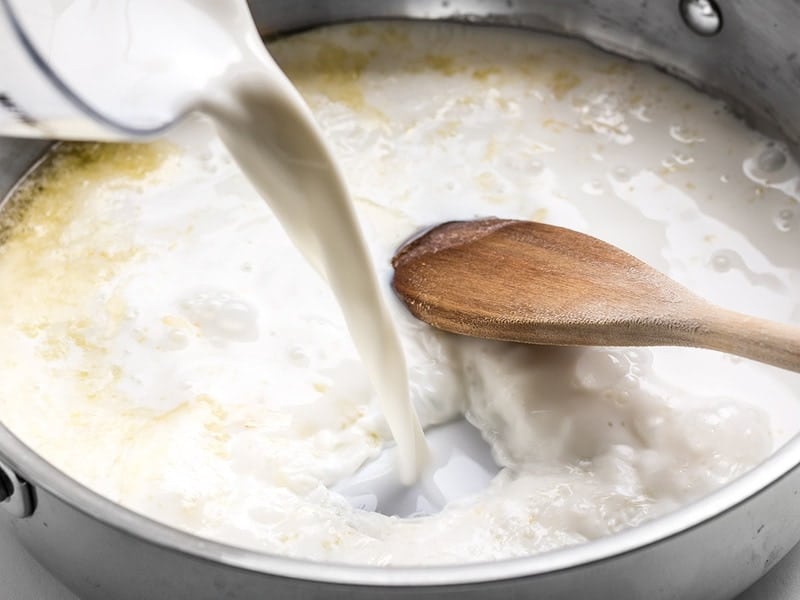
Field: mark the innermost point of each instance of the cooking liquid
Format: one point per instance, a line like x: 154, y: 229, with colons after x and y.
x: 166, y: 345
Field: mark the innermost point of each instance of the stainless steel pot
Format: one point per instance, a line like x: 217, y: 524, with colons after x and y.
x: 711, y: 549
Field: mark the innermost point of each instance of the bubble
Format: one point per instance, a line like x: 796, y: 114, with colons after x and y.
x: 640, y: 114
x: 597, y: 370
x: 234, y: 318
x: 682, y: 158
x: 623, y: 398
x: 177, y: 339
x: 772, y: 159
x: 594, y: 187
x: 767, y: 164
x: 298, y: 356
x: 604, y: 113
x: 721, y: 261
x: 784, y: 220
x: 221, y: 316
x: 621, y: 174
x: 684, y: 135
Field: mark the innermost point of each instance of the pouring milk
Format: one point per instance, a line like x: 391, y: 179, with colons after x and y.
x: 118, y: 70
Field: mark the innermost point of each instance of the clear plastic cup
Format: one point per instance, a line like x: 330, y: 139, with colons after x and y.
x: 110, y: 70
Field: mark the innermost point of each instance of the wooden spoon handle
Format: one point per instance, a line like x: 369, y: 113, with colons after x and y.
x: 765, y: 341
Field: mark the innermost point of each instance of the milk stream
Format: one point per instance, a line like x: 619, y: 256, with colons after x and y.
x: 272, y: 135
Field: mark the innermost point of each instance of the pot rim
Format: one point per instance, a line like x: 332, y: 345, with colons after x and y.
x: 40, y: 473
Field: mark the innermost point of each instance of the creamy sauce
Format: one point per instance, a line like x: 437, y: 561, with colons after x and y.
x: 187, y: 362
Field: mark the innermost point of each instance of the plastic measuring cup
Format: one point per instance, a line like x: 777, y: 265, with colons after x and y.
x: 116, y: 69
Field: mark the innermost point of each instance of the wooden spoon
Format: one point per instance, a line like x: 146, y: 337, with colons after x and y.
x: 540, y: 284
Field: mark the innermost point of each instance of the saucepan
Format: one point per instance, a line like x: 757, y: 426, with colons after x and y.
x: 745, y: 52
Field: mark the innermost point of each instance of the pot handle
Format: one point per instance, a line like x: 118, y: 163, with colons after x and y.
x: 17, y: 496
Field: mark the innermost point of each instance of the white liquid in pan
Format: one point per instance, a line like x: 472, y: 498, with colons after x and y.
x: 166, y: 345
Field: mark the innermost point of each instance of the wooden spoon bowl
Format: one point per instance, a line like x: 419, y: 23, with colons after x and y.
x: 530, y: 282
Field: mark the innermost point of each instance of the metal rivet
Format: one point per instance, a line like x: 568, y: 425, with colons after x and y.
x: 17, y: 496
x: 6, y: 487
x: 702, y: 16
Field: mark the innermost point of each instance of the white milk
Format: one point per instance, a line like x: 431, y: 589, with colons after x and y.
x: 167, y: 346
x: 272, y: 135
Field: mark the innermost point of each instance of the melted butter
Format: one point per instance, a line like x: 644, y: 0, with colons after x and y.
x: 208, y: 379
x: 335, y: 71
x: 62, y: 174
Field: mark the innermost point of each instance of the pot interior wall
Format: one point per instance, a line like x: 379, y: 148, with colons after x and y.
x: 752, y: 62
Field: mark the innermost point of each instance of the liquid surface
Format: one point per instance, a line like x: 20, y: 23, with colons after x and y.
x: 167, y: 345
